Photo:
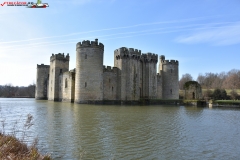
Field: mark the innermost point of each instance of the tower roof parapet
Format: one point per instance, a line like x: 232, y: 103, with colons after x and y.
x: 42, y: 66
x: 125, y: 52
x: 109, y: 69
x: 87, y: 43
x: 173, y: 62
x: 59, y: 56
x: 149, y: 57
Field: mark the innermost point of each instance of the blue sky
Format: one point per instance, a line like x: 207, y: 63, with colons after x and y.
x: 203, y: 35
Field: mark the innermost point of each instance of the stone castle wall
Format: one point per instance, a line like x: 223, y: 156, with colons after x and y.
x: 133, y: 77
x: 59, y: 63
x: 169, y: 73
x: 42, y: 81
x: 67, y: 86
x: 110, y: 76
x: 192, y: 90
x: 89, y: 71
x: 159, y: 86
x: 149, y: 70
x: 129, y: 65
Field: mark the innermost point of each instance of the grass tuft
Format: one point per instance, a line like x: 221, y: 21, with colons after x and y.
x: 12, y: 148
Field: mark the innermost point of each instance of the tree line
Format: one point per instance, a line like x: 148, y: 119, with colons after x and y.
x: 9, y: 90
x: 218, y: 81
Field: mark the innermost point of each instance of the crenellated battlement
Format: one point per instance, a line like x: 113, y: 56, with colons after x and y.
x: 133, y: 79
x: 42, y: 66
x: 133, y: 51
x: 59, y: 56
x: 149, y: 57
x: 173, y: 62
x: 87, y: 43
x: 109, y: 69
x: 125, y: 53
x: 128, y: 51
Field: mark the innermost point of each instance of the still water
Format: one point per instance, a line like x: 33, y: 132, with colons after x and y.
x: 73, y: 131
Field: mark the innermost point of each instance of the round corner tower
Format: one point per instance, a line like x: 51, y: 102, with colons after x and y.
x: 89, y: 71
x: 169, y: 72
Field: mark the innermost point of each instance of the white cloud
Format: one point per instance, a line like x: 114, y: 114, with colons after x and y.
x: 225, y: 35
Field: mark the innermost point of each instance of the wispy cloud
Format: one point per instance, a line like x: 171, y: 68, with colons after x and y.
x: 161, y: 30
x: 125, y: 27
x: 225, y: 35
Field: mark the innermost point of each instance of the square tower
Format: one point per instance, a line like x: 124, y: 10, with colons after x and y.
x: 59, y: 63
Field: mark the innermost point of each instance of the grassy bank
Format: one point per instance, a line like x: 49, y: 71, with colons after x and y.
x: 12, y: 148
x: 226, y: 102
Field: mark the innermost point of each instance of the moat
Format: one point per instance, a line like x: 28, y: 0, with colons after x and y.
x: 67, y: 130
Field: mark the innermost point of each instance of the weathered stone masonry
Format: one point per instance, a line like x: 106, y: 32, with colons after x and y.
x: 133, y: 77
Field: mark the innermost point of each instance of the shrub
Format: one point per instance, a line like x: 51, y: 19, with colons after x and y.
x: 219, y: 94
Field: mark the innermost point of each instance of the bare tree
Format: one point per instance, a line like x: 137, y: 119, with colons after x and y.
x: 31, y: 90
x: 233, y: 80
x: 201, y: 79
x: 14, y: 91
x: 185, y: 78
x: 234, y: 95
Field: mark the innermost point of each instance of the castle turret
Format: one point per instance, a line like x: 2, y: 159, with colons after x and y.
x: 169, y: 74
x: 42, y: 81
x: 149, y: 77
x: 59, y: 63
x: 128, y: 62
x: 89, y: 71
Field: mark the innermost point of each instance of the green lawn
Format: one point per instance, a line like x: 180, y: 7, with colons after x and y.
x: 227, y: 101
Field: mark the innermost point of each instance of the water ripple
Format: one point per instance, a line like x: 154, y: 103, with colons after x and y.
x: 72, y: 131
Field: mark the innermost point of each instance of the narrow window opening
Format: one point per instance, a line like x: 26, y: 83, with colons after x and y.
x: 140, y: 92
x: 52, y: 70
x: 66, y: 83
x: 60, y: 70
x: 193, y: 95
x: 85, y: 84
x: 85, y: 56
x: 171, y: 91
x: 112, y: 89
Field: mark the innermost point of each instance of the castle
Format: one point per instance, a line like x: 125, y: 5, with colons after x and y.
x: 133, y: 77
